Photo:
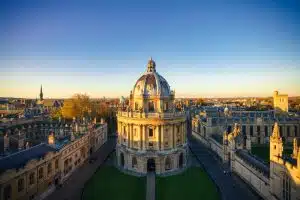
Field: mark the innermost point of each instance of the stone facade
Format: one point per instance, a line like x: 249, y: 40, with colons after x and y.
x: 257, y: 126
x: 151, y: 133
x: 279, y: 179
x: 49, y: 164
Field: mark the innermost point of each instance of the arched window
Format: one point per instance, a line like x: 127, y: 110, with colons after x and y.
x: 286, y: 187
x: 151, y: 106
x: 20, y: 185
x: 122, y: 161
x: 180, y: 160
x: 134, y: 162
x: 7, y: 192
x: 168, y: 164
x: 41, y: 173
x: 49, y: 168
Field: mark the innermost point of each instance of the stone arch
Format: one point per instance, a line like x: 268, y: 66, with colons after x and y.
x: 151, y: 165
x: 134, y: 162
x: 180, y: 160
x: 122, y: 160
x: 168, y: 164
x: 7, y: 192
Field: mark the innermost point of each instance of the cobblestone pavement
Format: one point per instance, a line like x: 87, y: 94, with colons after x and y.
x: 150, y: 193
x: 230, y: 186
x: 72, y: 188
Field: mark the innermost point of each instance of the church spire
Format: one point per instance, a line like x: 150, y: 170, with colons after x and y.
x: 41, y: 93
x: 151, y: 65
x: 276, y: 134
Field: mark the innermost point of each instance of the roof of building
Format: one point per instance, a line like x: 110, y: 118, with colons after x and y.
x: 19, y: 159
x: 256, y: 162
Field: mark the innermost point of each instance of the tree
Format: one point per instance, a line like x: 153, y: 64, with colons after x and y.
x: 78, y: 106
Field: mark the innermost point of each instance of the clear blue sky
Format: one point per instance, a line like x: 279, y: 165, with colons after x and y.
x: 203, y: 48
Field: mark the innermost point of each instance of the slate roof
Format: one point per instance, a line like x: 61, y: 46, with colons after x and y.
x: 19, y: 159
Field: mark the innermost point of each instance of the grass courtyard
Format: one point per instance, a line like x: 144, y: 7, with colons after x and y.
x: 192, y: 184
x: 109, y: 183
x: 263, y: 151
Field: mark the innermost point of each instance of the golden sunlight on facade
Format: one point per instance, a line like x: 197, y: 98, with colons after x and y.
x: 151, y: 133
x: 281, y: 102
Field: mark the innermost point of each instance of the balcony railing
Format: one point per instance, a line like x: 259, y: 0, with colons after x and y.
x: 166, y: 115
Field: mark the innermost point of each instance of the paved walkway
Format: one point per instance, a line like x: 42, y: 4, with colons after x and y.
x: 150, y: 193
x: 231, y: 186
x: 72, y: 188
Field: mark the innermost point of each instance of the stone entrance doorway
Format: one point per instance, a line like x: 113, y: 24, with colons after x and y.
x: 151, y: 165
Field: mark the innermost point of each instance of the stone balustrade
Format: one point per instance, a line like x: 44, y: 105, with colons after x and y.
x: 166, y: 115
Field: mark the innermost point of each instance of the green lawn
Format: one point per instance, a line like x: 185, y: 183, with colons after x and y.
x: 263, y: 151
x: 109, y: 183
x: 194, y: 183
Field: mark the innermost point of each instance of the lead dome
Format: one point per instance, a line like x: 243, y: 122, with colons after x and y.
x: 151, y: 83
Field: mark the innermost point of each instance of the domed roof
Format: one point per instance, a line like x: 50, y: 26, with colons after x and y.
x: 151, y: 83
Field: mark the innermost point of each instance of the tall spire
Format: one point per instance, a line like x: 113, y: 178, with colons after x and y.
x: 151, y: 65
x: 41, y: 93
x: 276, y: 134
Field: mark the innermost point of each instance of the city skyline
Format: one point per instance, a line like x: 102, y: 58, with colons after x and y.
x: 204, y: 49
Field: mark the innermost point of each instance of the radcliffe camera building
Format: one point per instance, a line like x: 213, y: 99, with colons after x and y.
x: 152, y: 133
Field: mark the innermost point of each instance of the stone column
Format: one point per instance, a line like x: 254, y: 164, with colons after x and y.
x: 144, y: 137
x: 173, y: 136
x: 132, y: 136
x: 159, y: 137
x: 162, y: 146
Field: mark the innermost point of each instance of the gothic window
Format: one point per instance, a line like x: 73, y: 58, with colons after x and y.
x: 41, y: 173
x: 258, y: 130
x: 286, y: 187
x: 20, y: 185
x: 150, y: 132
x: 49, y: 168
x: 266, y: 131
x: 251, y: 130
x: 244, y: 130
x: 31, y: 178
x: 7, y: 192
x: 134, y: 162
x: 168, y: 164
x: 288, y: 131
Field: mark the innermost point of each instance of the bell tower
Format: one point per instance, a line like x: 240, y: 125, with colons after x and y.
x: 276, y: 146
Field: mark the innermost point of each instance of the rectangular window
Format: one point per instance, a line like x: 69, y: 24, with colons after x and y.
x: 244, y: 130
x: 296, y: 131
x: 150, y: 144
x: 150, y: 132
x: 266, y: 131
x: 288, y: 131
x: 251, y: 130
x: 280, y: 131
